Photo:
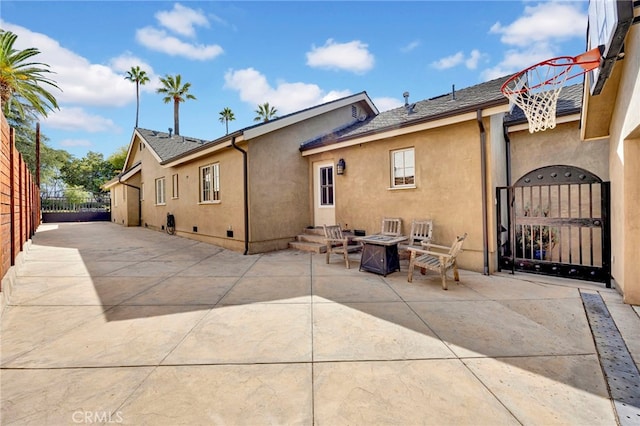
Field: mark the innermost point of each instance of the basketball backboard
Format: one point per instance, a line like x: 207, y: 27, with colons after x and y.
x: 609, y: 22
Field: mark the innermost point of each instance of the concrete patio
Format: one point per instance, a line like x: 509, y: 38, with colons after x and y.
x: 108, y: 324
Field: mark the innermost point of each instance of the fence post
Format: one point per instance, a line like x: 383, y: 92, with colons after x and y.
x: 12, y: 192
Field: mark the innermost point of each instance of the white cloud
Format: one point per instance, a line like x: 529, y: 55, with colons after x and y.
x: 160, y: 41
x: 385, y: 104
x: 353, y: 56
x: 537, y: 35
x: 411, y: 46
x: 81, y: 81
x: 449, y: 61
x: 471, y: 62
x: 254, y: 89
x: 542, y: 23
x: 77, y: 119
x: 516, y: 60
x: 182, y: 20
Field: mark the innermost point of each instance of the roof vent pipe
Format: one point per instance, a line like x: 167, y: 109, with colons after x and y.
x: 453, y: 92
x: 170, y: 130
x: 406, y: 98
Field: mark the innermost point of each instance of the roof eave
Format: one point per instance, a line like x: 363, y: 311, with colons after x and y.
x: 440, y: 116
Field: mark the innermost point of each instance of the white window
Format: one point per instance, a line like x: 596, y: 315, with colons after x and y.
x: 210, y: 183
x: 174, y: 186
x: 160, y: 191
x: 403, y: 168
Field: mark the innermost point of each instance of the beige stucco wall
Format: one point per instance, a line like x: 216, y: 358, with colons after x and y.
x: 448, y: 186
x: 279, y: 181
x: 624, y: 163
x: 561, y: 145
x: 207, y: 222
x: 278, y: 185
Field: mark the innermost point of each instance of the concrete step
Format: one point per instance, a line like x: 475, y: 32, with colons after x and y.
x: 318, y: 230
x: 309, y: 246
x: 310, y: 238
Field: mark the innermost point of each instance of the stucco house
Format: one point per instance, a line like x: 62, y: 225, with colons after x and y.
x: 443, y: 159
x: 247, y: 191
x: 453, y: 158
x: 614, y: 115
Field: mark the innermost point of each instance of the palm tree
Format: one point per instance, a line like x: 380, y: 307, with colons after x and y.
x: 140, y: 78
x: 177, y: 92
x: 265, y: 112
x: 20, y: 81
x: 226, y: 115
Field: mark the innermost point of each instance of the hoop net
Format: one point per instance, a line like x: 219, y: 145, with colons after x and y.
x: 535, y: 90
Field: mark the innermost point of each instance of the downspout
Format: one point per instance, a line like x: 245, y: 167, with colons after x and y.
x: 512, y: 228
x: 246, y: 194
x: 483, y: 171
x: 507, y: 141
x: 139, y: 200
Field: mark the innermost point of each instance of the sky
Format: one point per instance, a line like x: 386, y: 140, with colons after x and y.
x: 292, y: 54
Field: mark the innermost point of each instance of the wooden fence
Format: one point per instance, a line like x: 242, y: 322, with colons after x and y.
x: 19, y: 201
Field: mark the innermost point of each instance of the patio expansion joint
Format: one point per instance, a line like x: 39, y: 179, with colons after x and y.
x: 620, y: 371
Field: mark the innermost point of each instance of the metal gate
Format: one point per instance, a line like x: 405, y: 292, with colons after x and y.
x: 62, y: 209
x: 555, y: 221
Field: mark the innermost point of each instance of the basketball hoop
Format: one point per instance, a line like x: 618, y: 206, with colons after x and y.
x: 536, y: 89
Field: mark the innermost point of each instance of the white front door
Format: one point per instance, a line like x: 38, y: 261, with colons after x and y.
x: 324, y: 211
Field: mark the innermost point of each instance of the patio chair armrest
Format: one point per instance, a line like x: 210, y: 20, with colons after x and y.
x: 436, y: 246
x: 429, y: 252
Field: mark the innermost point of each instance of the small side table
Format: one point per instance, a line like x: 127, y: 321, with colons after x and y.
x: 380, y: 253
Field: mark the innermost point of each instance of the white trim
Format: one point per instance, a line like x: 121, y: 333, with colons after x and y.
x: 271, y: 126
x: 399, y: 188
x: 428, y: 125
x: 163, y: 201
x: 198, y: 154
x: 559, y: 120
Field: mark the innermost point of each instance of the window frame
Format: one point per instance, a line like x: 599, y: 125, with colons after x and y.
x: 403, y: 175
x: 326, y: 193
x: 160, y: 192
x: 174, y: 187
x: 210, y: 195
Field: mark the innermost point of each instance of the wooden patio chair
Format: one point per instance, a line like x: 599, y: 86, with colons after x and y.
x: 421, y: 232
x: 336, y: 242
x: 436, y: 258
x: 391, y: 226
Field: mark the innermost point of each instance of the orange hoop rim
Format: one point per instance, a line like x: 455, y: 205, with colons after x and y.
x: 587, y: 62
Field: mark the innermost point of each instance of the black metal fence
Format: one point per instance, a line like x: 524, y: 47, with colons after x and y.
x: 62, y: 209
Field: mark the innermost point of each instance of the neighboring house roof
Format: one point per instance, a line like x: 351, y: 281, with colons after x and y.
x: 124, y: 175
x: 169, y: 149
x: 453, y: 103
x: 569, y: 102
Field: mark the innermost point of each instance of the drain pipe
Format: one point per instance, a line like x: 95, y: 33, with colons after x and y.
x: 246, y: 194
x: 510, y: 197
x: 139, y: 200
x: 483, y: 169
x: 507, y: 140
